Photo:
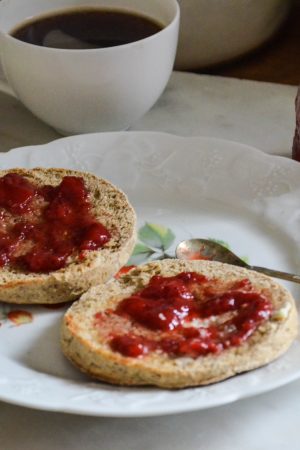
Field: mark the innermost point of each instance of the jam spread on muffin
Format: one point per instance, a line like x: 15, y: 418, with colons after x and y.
x: 185, y: 315
x: 43, y: 227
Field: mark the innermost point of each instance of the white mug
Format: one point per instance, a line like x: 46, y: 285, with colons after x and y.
x: 82, y: 91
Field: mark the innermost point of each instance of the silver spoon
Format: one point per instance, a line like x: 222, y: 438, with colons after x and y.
x: 210, y: 250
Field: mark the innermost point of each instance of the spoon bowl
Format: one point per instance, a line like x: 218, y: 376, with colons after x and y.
x: 205, y: 249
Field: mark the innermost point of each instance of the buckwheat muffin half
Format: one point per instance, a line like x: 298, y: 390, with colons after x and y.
x: 175, y: 324
x: 61, y: 232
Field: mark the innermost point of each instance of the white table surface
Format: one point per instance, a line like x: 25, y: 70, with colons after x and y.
x: 259, y: 114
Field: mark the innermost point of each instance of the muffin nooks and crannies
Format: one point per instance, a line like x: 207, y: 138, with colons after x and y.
x: 178, y: 323
x: 61, y: 232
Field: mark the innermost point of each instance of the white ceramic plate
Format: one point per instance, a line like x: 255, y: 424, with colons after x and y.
x: 195, y: 187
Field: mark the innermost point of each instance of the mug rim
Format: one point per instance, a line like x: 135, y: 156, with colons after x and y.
x: 9, y: 37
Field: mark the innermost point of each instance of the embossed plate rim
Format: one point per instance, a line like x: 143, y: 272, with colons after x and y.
x: 27, y: 388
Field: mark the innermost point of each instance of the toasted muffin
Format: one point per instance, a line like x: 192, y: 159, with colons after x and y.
x: 89, y: 327
x: 84, y: 269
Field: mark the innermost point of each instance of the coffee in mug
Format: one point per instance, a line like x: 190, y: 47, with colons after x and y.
x: 86, y: 28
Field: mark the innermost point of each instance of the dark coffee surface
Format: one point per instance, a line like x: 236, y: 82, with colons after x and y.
x: 86, y: 29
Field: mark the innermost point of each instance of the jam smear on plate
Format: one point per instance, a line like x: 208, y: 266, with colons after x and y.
x: 188, y: 315
x: 42, y: 226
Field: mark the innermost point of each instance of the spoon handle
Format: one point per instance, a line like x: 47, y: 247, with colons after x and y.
x: 277, y: 274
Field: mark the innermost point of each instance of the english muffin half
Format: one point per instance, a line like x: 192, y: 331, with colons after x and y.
x: 61, y: 232
x: 175, y: 324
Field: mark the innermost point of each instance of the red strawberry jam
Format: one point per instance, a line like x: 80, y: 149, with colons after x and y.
x: 16, y: 193
x: 188, y: 315
x: 42, y: 227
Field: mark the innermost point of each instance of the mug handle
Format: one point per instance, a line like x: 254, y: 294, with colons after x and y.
x: 4, y: 87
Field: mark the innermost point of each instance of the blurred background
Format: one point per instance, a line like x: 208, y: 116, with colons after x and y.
x: 252, y: 39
